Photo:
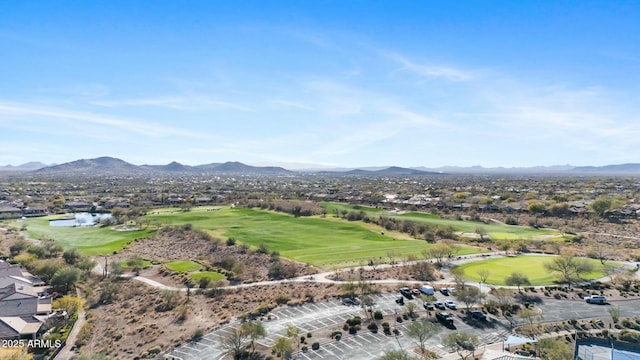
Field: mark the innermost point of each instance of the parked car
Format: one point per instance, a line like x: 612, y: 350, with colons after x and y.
x: 439, y: 305
x: 446, y: 291
x: 596, y: 299
x: 399, y: 300
x: 350, y: 301
x: 428, y: 306
x: 415, y: 292
x: 451, y: 305
x: 478, y: 315
x: 406, y: 292
x: 445, y: 318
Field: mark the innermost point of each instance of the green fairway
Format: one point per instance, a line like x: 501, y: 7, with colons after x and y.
x: 314, y: 240
x: 212, y: 275
x: 531, y: 266
x: 495, y: 231
x: 88, y: 240
x: 183, y: 266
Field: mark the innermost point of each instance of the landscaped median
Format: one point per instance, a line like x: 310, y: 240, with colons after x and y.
x: 193, y: 271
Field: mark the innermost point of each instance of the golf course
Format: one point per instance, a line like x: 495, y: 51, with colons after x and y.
x: 324, y: 241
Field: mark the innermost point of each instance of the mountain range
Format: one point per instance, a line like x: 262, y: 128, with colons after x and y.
x: 109, y: 165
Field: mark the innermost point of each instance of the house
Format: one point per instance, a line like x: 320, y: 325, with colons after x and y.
x: 9, y: 212
x: 77, y: 205
x: 35, y: 211
x: 24, y: 304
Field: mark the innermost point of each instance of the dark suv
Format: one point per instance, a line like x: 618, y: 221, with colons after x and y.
x: 406, y: 292
x: 478, y: 315
x: 445, y: 318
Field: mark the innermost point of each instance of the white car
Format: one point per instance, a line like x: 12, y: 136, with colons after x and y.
x: 451, y: 305
x: 596, y: 299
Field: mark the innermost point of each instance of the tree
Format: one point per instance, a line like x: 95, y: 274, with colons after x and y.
x: 531, y: 317
x: 462, y: 343
x: 396, y: 355
x: 293, y: 332
x: 410, y: 309
x: 614, y: 312
x: 600, y: 251
x: 136, y: 264
x: 65, y: 277
x: 68, y: 303
x: 236, y: 341
x: 116, y: 269
x: 582, y: 266
x: 51, y: 248
x: 283, y: 347
x: 423, y: 271
x: 367, y: 303
x: 517, y: 279
x: 242, y: 336
x: 422, y: 331
x: 505, y: 245
x: 256, y: 331
x: 438, y: 252
x: 504, y: 298
x: 483, y: 274
x: 536, y: 208
x: 109, y: 293
x: 85, y: 264
x: 458, y: 275
x: 469, y: 295
x: 71, y: 256
x: 170, y: 300
x: 349, y: 288
x: 47, y: 268
x: 15, y: 353
x: 568, y: 267
x: 481, y: 231
x: 601, y: 205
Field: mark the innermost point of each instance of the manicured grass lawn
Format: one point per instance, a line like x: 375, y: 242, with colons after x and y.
x: 88, y: 240
x: 212, y: 275
x: 322, y: 242
x: 532, y: 266
x: 184, y: 266
x: 495, y: 231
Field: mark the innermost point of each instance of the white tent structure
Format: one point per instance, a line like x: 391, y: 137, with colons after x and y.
x: 516, y: 340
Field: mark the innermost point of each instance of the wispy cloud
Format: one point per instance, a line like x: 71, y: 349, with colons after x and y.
x: 124, y: 125
x: 429, y: 70
x: 183, y: 103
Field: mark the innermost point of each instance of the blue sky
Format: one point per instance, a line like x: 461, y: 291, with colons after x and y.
x: 332, y: 83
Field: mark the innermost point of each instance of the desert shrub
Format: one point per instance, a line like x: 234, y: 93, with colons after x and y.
x: 315, y: 346
x: 373, y: 327
x: 378, y: 315
x: 282, y: 299
x: 629, y: 336
x: 356, y: 320
x: 197, y: 335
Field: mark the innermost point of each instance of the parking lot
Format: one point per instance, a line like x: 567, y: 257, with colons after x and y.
x: 323, y: 317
